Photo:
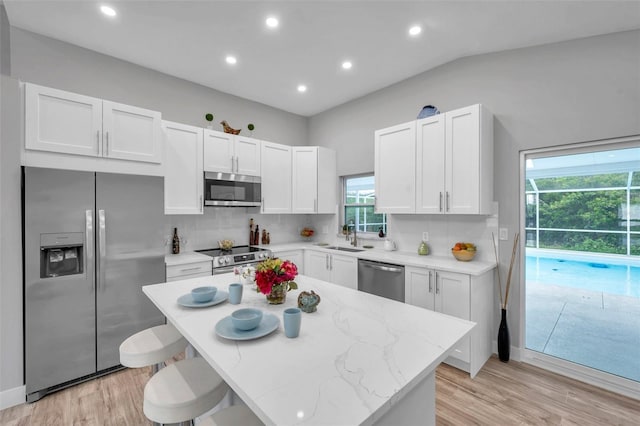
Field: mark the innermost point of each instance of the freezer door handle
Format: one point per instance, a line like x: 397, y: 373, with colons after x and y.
x: 88, y: 237
x: 102, y: 244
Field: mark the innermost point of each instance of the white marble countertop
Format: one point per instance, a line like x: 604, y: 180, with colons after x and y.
x: 355, y: 358
x: 185, y: 258
x: 475, y: 267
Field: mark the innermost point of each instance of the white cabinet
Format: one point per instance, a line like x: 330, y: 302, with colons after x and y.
x: 188, y: 270
x: 183, y: 179
x: 68, y: 123
x: 295, y: 256
x: 438, y: 165
x: 394, y: 169
x: 455, y: 162
x: 227, y: 153
x: 334, y: 268
x: 462, y: 296
x: 276, y: 178
x: 314, y: 180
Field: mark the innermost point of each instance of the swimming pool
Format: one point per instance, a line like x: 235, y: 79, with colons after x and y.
x: 595, y: 273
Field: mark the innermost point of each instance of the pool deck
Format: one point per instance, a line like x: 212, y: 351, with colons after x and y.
x: 595, y: 329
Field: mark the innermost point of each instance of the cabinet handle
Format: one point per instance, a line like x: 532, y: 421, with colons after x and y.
x: 330, y: 263
x: 430, y: 283
x: 201, y: 204
x: 437, y: 284
x: 326, y: 262
x: 262, y: 205
x: 190, y: 269
x: 98, y: 138
x: 237, y: 165
x: 107, y: 153
x: 232, y: 164
x: 440, y: 201
x: 447, y: 200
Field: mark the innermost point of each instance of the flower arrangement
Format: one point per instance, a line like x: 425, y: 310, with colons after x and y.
x: 274, y: 277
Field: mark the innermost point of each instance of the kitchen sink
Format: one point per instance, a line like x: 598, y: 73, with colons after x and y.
x: 353, y: 250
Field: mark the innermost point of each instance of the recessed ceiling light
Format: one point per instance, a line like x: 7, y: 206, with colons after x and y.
x: 302, y: 88
x: 231, y: 60
x: 272, y: 22
x: 347, y: 65
x: 415, y: 30
x: 107, y: 10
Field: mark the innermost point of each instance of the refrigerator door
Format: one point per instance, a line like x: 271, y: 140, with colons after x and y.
x: 130, y: 251
x: 59, y: 291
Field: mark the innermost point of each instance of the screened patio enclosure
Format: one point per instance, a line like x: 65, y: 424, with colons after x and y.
x: 582, y: 264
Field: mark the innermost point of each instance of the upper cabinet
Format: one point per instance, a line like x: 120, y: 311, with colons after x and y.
x: 438, y: 165
x: 183, y: 180
x: 227, y: 153
x: 314, y: 183
x: 68, y: 123
x: 276, y: 178
x: 394, y: 169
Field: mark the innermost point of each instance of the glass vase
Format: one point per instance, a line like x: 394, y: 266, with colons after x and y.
x: 278, y: 294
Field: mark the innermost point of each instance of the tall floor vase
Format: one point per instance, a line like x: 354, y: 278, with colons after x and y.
x: 504, y: 344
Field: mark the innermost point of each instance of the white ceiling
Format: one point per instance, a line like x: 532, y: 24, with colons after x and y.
x: 190, y: 39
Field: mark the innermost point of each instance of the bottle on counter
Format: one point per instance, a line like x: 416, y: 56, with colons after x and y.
x: 175, y: 246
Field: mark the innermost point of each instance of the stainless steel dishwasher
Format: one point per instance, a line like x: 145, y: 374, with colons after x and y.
x: 381, y: 279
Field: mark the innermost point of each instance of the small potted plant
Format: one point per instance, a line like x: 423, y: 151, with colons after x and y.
x: 209, y: 117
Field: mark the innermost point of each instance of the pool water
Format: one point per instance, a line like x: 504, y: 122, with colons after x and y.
x: 587, y: 275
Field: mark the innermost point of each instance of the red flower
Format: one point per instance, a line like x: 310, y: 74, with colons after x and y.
x: 275, y: 272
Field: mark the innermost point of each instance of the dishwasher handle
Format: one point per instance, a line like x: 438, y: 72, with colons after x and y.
x: 381, y: 268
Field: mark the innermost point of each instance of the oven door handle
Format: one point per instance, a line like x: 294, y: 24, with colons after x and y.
x: 218, y: 271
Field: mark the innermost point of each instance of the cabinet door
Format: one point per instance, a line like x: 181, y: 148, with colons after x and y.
x: 344, y: 271
x: 247, y: 156
x: 276, y: 178
x: 327, y: 182
x: 131, y: 133
x: 420, y: 287
x: 316, y: 265
x: 395, y: 168
x: 305, y: 179
x: 64, y: 122
x: 430, y: 168
x: 218, y: 152
x: 453, y: 298
x: 183, y: 179
x: 295, y: 256
x: 462, y: 156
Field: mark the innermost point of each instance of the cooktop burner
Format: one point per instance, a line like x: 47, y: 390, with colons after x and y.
x: 233, y: 251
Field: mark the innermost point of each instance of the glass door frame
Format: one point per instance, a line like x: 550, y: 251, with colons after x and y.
x: 566, y: 368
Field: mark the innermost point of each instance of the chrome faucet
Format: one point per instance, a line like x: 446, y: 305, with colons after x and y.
x: 354, y: 242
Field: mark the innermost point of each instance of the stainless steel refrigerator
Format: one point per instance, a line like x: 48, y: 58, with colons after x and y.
x: 91, y: 241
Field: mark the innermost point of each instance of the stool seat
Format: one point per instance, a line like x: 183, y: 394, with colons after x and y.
x: 232, y: 416
x: 183, y: 391
x: 151, y: 346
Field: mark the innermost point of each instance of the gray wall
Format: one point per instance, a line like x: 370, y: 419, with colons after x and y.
x: 550, y: 95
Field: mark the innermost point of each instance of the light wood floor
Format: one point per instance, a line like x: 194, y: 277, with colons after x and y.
x: 501, y: 394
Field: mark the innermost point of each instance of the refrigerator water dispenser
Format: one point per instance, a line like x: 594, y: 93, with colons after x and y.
x: 61, y: 254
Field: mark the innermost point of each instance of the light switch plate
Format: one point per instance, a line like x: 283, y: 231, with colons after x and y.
x: 425, y: 236
x: 504, y: 234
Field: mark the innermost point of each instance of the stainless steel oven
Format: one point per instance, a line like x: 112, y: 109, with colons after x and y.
x: 231, y: 190
x: 240, y: 256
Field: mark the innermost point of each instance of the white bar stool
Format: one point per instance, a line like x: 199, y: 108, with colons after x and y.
x: 182, y: 391
x: 152, y: 346
x: 232, y: 416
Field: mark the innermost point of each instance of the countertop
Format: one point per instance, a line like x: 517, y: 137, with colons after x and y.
x: 474, y: 267
x: 355, y: 360
x: 185, y: 258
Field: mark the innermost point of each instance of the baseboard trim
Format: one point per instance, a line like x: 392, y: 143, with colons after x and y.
x: 515, y: 354
x: 12, y: 397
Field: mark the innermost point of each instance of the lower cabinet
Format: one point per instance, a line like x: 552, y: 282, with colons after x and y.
x: 295, y: 256
x: 462, y: 296
x: 334, y: 268
x: 189, y: 270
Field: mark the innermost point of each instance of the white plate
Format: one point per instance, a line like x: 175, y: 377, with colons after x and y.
x: 187, y: 300
x: 225, y: 328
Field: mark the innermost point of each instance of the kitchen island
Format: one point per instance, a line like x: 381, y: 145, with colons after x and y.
x: 359, y: 360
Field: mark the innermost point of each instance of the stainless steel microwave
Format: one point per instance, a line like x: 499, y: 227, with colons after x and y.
x: 231, y: 190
